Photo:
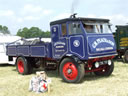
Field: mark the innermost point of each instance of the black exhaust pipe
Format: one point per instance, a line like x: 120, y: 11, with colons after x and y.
x: 73, y: 15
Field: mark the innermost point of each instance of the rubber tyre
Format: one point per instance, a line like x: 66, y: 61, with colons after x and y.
x: 78, y: 68
x: 23, y: 66
x: 108, y: 70
x: 126, y: 56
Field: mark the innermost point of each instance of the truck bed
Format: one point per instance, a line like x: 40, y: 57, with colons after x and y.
x: 31, y: 50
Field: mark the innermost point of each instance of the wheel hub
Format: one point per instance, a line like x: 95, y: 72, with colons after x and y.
x: 20, y: 66
x: 70, y: 71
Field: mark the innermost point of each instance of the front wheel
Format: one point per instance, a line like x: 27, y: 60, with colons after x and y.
x: 106, y: 70
x: 70, y: 71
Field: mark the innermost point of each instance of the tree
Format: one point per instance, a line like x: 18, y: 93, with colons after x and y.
x: 1, y: 27
x: 32, y: 32
x: 23, y: 32
x: 47, y: 34
x: 4, y: 29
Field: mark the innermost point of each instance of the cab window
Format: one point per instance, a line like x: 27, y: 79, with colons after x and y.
x: 97, y: 28
x: 89, y: 28
x: 74, y: 28
x: 64, y: 31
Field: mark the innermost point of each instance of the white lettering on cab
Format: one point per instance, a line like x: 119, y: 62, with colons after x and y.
x: 101, y: 40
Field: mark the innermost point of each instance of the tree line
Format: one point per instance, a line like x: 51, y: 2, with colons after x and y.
x: 4, y: 29
x: 32, y: 33
x: 27, y: 32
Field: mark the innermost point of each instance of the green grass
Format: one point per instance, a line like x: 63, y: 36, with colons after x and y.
x: 14, y: 84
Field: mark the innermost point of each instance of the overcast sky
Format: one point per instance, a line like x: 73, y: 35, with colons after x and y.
x: 17, y: 14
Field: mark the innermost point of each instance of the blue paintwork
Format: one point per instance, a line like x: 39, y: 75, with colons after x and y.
x: 42, y: 50
x: 23, y: 50
x: 83, y: 45
x: 11, y: 50
x: 59, y: 44
x: 49, y: 50
x: 97, y: 45
x: 39, y: 51
x: 77, y: 45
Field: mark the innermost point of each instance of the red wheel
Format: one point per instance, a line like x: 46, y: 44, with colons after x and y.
x: 71, y: 71
x: 21, y: 66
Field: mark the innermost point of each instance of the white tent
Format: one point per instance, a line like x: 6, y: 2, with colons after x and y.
x: 8, y: 38
x: 42, y: 39
x: 4, y: 40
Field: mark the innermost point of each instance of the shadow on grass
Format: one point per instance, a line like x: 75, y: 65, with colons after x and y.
x: 14, y: 70
x: 6, y: 65
x: 118, y: 60
x: 87, y: 77
x: 50, y: 73
x: 92, y: 76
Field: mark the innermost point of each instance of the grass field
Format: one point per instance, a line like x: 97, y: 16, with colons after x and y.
x: 13, y: 84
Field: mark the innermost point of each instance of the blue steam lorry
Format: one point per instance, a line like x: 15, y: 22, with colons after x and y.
x: 78, y: 46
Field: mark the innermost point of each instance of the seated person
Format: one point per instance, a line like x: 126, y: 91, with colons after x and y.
x: 89, y: 28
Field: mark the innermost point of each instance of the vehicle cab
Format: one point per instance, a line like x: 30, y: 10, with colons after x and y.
x: 82, y: 45
x: 85, y: 38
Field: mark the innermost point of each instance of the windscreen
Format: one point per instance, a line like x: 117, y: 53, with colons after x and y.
x: 97, y: 28
x: 74, y: 28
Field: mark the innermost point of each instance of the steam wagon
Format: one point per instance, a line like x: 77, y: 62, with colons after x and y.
x: 78, y: 46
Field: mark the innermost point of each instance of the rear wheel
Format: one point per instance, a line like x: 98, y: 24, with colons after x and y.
x: 23, y: 66
x: 70, y: 71
x: 126, y: 56
x: 106, y: 70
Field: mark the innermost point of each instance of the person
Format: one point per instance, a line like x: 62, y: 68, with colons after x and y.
x: 88, y: 28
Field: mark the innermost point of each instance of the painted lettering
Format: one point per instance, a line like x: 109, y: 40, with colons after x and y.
x: 101, y: 40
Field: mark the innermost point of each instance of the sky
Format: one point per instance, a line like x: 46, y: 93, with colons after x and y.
x: 17, y: 14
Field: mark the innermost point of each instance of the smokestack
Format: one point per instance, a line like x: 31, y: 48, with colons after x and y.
x: 74, y: 5
x: 73, y: 15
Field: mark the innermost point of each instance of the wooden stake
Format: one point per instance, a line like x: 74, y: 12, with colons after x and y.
x: 49, y: 89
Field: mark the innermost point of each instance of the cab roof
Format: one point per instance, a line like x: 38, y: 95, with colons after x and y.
x: 121, y: 25
x: 87, y: 20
